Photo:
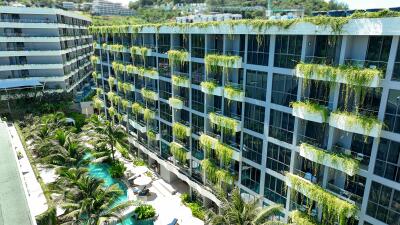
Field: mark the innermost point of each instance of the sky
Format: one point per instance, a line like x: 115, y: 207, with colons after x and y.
x: 353, y: 4
x: 368, y: 4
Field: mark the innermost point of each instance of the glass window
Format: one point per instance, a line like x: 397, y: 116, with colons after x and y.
x: 198, y: 46
x: 164, y: 42
x: 384, y: 204
x: 197, y: 73
x: 361, y: 146
x: 197, y: 100
x: 163, y: 67
x: 278, y: 158
x: 165, y: 90
x: 325, y: 50
x: 287, y: 50
x: 392, y: 113
x: 284, y: 89
x: 388, y: 160
x: 165, y: 111
x: 250, y: 177
x: 258, y: 49
x: 275, y: 189
x: 281, y: 126
x: 254, y: 118
x: 256, y: 84
x: 197, y: 151
x: 396, y: 69
x: 166, y: 132
x: 378, y: 51
x: 252, y: 148
x: 197, y: 124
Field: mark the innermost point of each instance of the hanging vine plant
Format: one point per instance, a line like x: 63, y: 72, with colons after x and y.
x: 224, y: 153
x: 148, y: 115
x: 353, y: 119
x: 334, y: 160
x: 331, y: 205
x: 207, y: 143
x: 111, y: 96
x: 175, y: 103
x: 112, y: 111
x: 213, y: 61
x: 176, y: 56
x: 148, y: 94
x: 93, y: 60
x: 180, y: 80
x: 312, y: 108
x: 223, y: 123
x: 300, y: 218
x: 209, y: 86
x: 151, y: 135
x: 126, y: 87
x: 137, y: 108
x: 142, y: 51
x: 209, y: 169
x: 179, y: 153
x: 233, y: 93
x: 132, y: 69
x: 104, y: 46
x: 142, y: 71
x: 97, y: 103
x: 180, y: 131
x: 125, y: 104
x: 224, y: 176
x: 99, y: 91
x: 116, y: 48
x: 94, y: 76
x: 111, y: 82
x: 118, y: 67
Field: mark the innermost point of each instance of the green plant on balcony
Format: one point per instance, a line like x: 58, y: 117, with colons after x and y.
x: 300, y: 218
x: 94, y: 76
x: 175, y: 102
x: 141, y: 71
x: 142, y: 51
x: 179, y: 80
x: 137, y: 108
x: 214, y: 61
x: 333, y: 207
x: 349, y: 165
x: 94, y: 59
x: 131, y: 69
x: 178, y: 152
x: 151, y: 135
x: 176, y: 56
x: 223, y: 176
x: 148, y: 94
x: 117, y: 47
x: 119, y: 85
x: 366, y: 122
x: 125, y: 104
x: 208, y: 85
x: 312, y: 107
x: 104, y: 46
x: 126, y: 88
x: 111, y: 81
x: 118, y: 67
x: 224, y: 153
x: 111, y: 95
x: 94, y: 44
x: 112, y: 111
x: 99, y: 91
x: 145, y: 212
x: 97, y: 103
x: 206, y: 143
x: 180, y: 131
x: 233, y: 92
x: 148, y: 115
x: 209, y: 169
x: 223, y: 123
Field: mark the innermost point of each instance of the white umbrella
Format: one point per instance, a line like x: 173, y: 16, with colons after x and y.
x: 140, y: 170
x: 142, y: 180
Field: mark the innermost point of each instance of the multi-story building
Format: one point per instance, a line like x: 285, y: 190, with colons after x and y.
x: 293, y: 113
x: 44, y: 46
x: 106, y: 8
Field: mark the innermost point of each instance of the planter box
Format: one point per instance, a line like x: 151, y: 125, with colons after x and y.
x: 175, y: 103
x: 185, y: 83
x: 137, y: 126
x: 137, y: 52
x: 218, y: 91
x: 340, y: 79
x: 327, y: 159
x: 151, y: 76
x: 236, y: 65
x: 239, y: 98
x: 303, y: 113
x: 340, y: 122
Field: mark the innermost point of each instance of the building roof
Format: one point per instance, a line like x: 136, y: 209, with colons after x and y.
x: 19, y: 84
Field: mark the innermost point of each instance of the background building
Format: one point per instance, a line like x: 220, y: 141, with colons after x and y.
x: 250, y: 116
x: 44, y: 47
x: 106, y: 8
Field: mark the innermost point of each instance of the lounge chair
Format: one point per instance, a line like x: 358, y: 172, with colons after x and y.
x: 174, y: 222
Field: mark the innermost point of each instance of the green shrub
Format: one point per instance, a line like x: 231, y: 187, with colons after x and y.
x: 145, y: 211
x: 48, y: 217
x: 80, y: 119
x: 185, y: 198
x: 139, y: 162
x: 117, y: 169
x: 197, y: 209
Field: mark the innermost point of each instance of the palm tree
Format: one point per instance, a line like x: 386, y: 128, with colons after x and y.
x: 110, y: 134
x: 89, y: 202
x: 235, y: 210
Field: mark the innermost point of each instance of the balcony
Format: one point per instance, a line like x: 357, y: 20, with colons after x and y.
x: 180, y: 131
x: 175, y: 103
x: 355, y: 123
x: 31, y: 67
x: 340, y: 162
x: 207, y: 142
x: 138, y: 126
x: 142, y: 51
x: 210, y: 88
x: 234, y: 92
x: 228, y: 125
x: 225, y: 61
x: 340, y: 209
x: 180, y: 81
x: 310, y: 111
x: 149, y: 95
x: 364, y: 77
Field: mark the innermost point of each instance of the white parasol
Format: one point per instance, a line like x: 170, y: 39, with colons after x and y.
x: 142, y: 180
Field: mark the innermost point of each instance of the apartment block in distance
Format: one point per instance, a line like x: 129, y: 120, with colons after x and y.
x: 108, y: 8
x: 44, y: 47
x: 306, y: 116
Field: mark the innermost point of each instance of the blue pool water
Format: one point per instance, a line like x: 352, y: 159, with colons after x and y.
x: 101, y: 171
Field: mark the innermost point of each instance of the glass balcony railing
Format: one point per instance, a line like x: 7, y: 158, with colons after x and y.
x: 344, y: 194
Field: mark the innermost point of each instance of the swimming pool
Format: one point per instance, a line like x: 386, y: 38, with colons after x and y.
x: 100, y: 171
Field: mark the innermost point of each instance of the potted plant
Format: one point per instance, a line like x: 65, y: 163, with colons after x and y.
x: 145, y: 214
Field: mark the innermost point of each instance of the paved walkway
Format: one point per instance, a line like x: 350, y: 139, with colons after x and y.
x: 36, y: 199
x: 14, y: 209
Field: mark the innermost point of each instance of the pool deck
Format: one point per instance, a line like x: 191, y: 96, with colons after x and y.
x: 14, y: 209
